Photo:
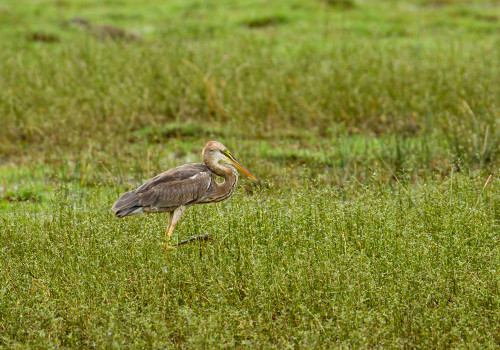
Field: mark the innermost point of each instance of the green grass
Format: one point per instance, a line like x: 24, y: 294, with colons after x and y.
x: 362, y: 267
x: 372, y: 128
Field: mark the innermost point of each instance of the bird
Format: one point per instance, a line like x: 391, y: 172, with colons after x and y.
x: 174, y: 190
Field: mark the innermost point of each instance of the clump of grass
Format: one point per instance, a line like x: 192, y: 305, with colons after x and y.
x: 43, y: 37
x: 176, y: 130
x: 340, y: 3
x: 474, y: 140
x: 22, y: 184
x: 262, y: 22
x: 23, y: 194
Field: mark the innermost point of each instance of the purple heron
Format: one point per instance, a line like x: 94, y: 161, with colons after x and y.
x: 176, y: 189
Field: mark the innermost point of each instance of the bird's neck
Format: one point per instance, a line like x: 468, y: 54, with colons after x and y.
x: 226, y: 171
x: 230, y: 175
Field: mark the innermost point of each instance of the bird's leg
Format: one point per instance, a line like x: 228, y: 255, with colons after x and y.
x: 170, y: 227
x: 172, y: 221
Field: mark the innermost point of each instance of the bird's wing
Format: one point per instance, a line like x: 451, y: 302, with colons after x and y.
x: 183, y: 185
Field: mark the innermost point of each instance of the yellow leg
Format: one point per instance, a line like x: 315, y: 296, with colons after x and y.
x: 170, y: 227
x: 172, y: 221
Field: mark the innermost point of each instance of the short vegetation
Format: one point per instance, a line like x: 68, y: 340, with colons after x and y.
x: 373, y: 130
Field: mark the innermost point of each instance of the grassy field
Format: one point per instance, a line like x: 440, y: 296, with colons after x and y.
x: 374, y: 133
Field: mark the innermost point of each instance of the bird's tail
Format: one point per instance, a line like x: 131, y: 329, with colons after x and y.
x: 127, y: 204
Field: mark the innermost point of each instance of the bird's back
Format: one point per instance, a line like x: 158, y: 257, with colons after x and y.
x: 183, y: 185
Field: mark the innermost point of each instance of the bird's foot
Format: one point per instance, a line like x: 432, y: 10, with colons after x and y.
x: 207, y: 237
x: 168, y: 247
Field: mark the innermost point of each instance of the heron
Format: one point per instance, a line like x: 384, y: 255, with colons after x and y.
x: 174, y: 190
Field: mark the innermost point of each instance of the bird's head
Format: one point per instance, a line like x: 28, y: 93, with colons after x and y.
x: 215, y: 152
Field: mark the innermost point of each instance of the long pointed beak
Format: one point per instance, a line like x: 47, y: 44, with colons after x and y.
x: 239, y: 166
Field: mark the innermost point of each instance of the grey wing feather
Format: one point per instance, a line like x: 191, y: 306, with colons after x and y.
x: 183, y: 185
x: 126, y: 200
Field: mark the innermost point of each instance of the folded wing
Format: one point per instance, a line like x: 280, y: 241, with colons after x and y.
x: 183, y: 185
